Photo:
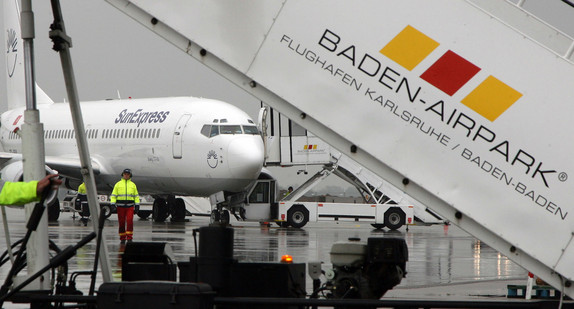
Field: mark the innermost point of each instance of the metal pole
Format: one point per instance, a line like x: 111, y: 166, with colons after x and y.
x: 62, y: 44
x: 33, y: 152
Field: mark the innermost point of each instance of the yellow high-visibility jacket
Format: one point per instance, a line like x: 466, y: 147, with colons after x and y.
x: 82, y: 188
x: 18, y: 193
x: 125, y: 193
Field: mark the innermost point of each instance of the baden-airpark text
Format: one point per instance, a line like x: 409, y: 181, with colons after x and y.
x: 372, y: 68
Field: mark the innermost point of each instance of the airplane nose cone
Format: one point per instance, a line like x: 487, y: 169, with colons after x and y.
x: 245, y: 157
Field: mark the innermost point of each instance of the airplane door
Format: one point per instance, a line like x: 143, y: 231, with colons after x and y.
x: 177, y: 144
x: 262, y: 127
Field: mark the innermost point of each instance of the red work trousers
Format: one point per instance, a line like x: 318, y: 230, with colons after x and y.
x: 126, y: 222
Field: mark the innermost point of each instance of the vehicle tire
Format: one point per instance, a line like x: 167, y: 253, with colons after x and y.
x: 394, y: 218
x: 106, y: 211
x: 178, y: 214
x: 54, y: 211
x: 144, y: 214
x: 159, y: 210
x: 298, y: 216
x: 378, y: 226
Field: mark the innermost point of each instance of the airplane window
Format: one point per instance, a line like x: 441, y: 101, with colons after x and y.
x: 138, y: 133
x: 223, y: 120
x: 96, y: 133
x: 157, y: 135
x: 215, y: 120
x: 153, y: 133
x: 130, y: 134
x: 123, y: 132
x: 146, y: 133
x: 250, y: 130
x: 249, y: 120
x: 231, y: 129
x: 205, y: 130
x: 214, y: 131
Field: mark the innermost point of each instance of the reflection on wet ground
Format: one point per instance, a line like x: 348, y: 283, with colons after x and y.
x: 438, y: 254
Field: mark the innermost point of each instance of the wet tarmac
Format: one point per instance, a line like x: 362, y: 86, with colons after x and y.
x: 443, y: 260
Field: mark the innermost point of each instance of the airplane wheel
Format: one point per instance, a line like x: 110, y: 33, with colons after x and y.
x: 215, y: 216
x: 178, y: 214
x: 54, y: 211
x: 159, y: 210
x: 378, y: 226
x: 297, y: 216
x: 394, y: 218
x: 225, y: 217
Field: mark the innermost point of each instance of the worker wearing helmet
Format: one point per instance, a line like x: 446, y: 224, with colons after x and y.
x: 125, y: 197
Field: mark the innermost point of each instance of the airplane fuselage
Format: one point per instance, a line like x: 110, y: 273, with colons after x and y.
x: 181, y: 145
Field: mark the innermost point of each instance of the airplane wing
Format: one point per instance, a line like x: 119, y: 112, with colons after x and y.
x: 69, y: 167
x: 7, y: 156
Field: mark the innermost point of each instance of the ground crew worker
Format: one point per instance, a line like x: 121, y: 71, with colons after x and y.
x: 83, y: 201
x: 125, y: 197
x: 20, y: 193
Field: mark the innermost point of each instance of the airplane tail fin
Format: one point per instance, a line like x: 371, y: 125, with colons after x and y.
x: 15, y: 79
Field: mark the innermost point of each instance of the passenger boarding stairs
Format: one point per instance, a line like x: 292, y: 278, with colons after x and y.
x: 487, y: 147
x: 305, y: 149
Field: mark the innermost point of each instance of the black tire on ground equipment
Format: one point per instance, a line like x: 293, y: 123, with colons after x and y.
x: 394, y: 218
x: 298, y: 216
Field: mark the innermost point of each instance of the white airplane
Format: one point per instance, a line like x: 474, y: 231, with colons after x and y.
x: 180, y: 146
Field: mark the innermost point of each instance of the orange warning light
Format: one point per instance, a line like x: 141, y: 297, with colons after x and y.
x: 287, y: 259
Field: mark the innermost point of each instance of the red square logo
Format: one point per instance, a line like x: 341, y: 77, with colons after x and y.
x: 450, y: 72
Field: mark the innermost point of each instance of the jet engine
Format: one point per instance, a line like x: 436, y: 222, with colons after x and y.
x: 366, y: 270
x: 14, y: 172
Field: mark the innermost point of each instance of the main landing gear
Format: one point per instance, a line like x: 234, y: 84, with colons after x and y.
x: 164, y: 207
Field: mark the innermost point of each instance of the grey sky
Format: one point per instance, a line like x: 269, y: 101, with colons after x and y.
x: 112, y: 53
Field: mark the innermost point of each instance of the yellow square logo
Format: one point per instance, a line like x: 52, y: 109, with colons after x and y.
x: 409, y: 48
x: 491, y: 98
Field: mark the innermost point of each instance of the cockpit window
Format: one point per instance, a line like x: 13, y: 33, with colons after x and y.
x: 231, y: 129
x: 205, y: 130
x: 250, y: 130
x: 211, y: 130
x: 214, y: 131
